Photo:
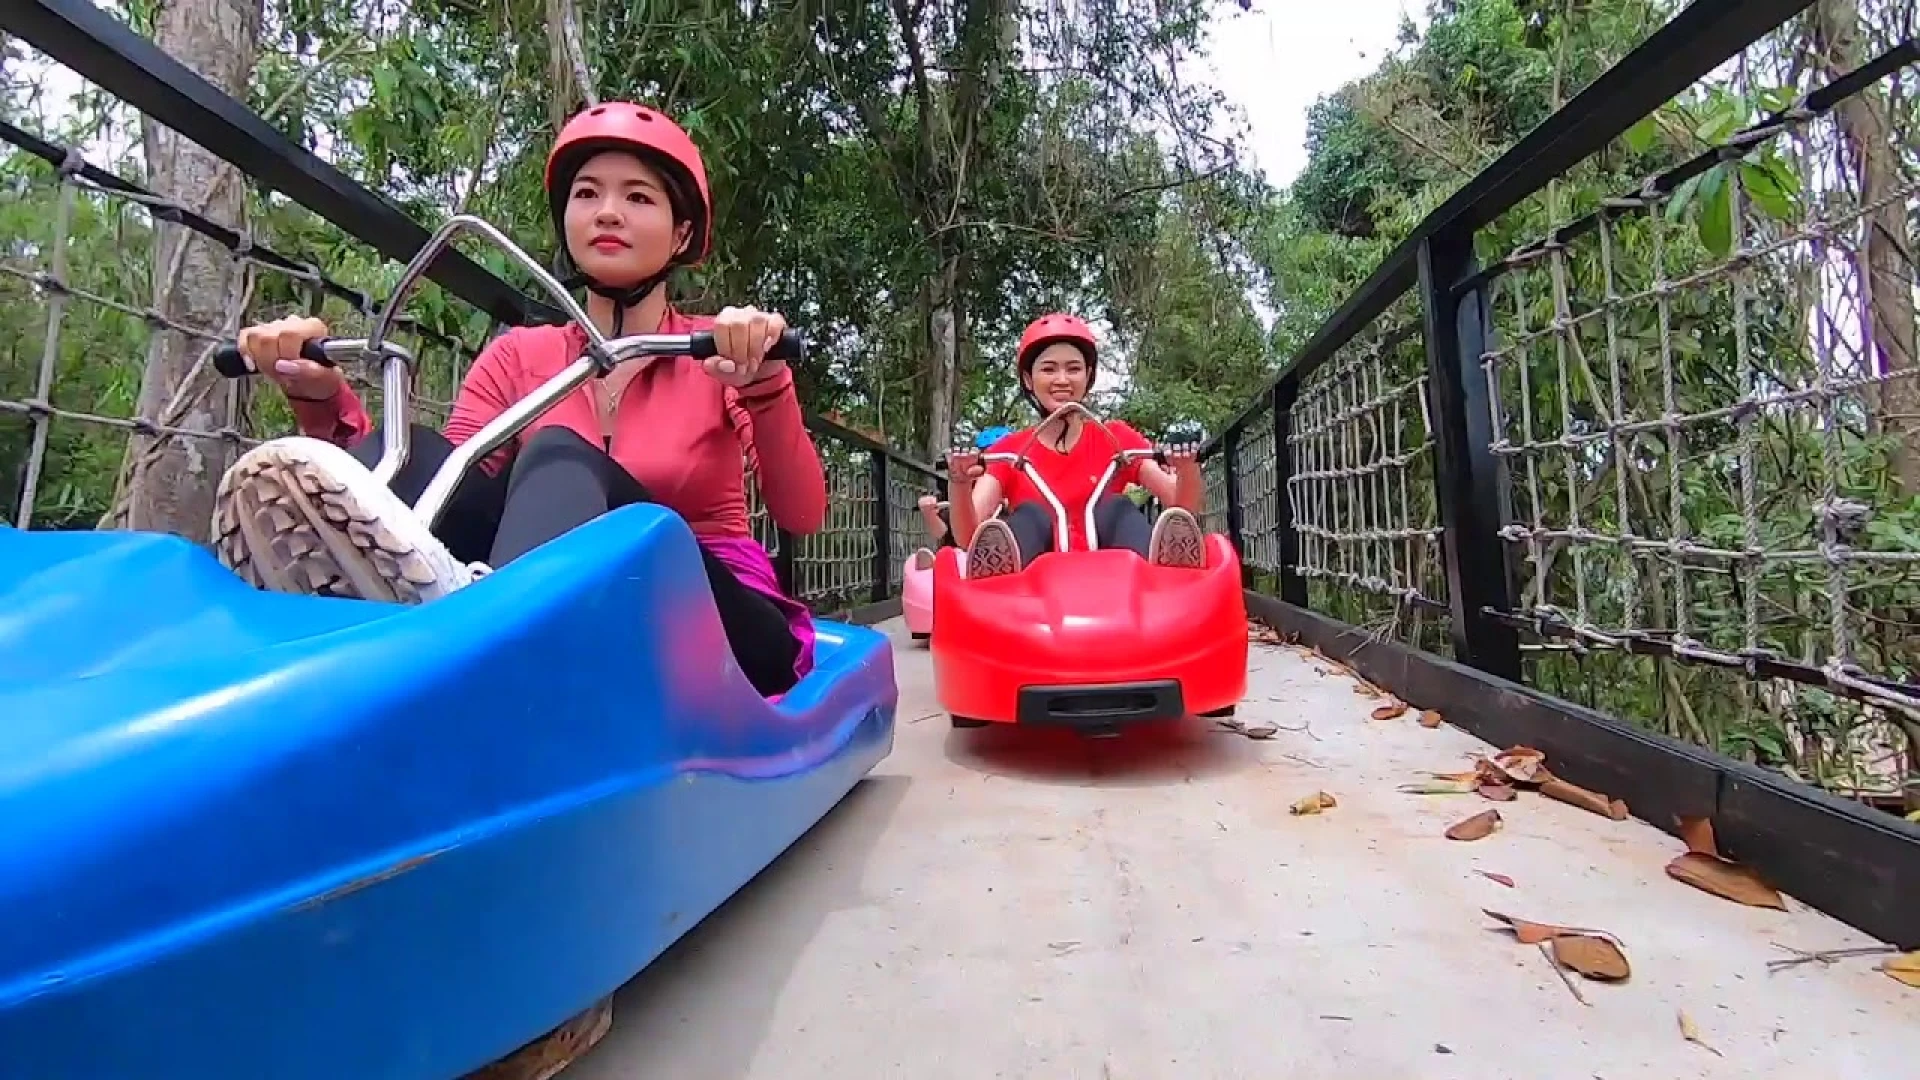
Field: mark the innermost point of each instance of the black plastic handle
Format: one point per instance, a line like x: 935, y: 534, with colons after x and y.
x: 791, y: 346
x: 228, y: 360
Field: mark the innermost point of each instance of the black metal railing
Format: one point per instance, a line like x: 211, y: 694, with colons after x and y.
x: 91, y: 266
x: 1633, y: 444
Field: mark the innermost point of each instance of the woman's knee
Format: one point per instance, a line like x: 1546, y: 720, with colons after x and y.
x: 1030, y: 512
x: 1118, y: 522
x: 1116, y: 508
x: 564, y: 449
x: 556, y: 442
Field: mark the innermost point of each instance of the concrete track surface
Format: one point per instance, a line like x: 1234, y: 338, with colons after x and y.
x: 1004, y: 903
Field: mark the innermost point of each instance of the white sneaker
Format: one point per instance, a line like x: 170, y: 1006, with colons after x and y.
x: 1178, y: 541
x: 299, y: 515
x: 994, y: 551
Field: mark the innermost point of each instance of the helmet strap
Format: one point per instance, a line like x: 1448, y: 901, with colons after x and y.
x: 622, y: 298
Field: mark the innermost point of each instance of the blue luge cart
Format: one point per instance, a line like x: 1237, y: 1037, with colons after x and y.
x: 254, y: 835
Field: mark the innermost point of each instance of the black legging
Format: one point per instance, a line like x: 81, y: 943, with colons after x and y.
x: 1117, y: 523
x: 557, y: 482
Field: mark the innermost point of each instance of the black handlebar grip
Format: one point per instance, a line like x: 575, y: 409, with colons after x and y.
x: 790, y: 347
x: 228, y: 360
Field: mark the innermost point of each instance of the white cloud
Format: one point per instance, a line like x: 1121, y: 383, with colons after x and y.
x: 1274, y: 61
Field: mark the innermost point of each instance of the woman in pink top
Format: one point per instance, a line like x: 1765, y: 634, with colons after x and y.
x: 630, y: 202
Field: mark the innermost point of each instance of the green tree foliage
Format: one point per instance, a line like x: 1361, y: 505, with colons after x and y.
x: 1388, y: 148
x: 910, y: 180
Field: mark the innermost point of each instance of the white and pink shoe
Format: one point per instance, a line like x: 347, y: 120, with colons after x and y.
x: 300, y: 515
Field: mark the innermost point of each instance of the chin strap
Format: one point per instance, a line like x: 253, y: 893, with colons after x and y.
x: 622, y: 298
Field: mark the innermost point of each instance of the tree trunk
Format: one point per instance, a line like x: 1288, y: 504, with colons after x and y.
x: 170, y: 486
x: 567, y: 62
x: 1884, y: 263
x: 943, y: 357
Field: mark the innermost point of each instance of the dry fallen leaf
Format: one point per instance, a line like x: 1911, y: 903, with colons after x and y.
x: 1491, y: 876
x: 1594, y: 957
x: 1497, y: 792
x: 1905, y: 968
x: 1394, y: 707
x: 1697, y: 834
x: 1312, y: 804
x: 1521, y: 764
x: 1479, y: 826
x: 1574, y: 795
x: 1367, y: 689
x: 1692, y: 1035
x: 1729, y: 881
x: 1527, y: 933
x: 1430, y: 719
x: 1457, y: 777
x: 1599, y: 955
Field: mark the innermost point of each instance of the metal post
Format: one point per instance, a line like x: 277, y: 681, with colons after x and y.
x: 1293, y: 587
x: 882, y: 528
x: 1469, y: 480
x: 1236, y: 522
x: 784, y: 562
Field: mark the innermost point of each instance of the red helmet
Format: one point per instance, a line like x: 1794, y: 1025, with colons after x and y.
x: 1051, y: 330
x: 623, y: 125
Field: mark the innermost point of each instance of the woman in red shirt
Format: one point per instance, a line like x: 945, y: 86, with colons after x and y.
x: 629, y: 199
x: 1057, y: 361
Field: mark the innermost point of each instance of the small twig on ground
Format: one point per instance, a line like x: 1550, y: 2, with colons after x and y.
x: 1303, y: 761
x: 1824, y: 956
x: 917, y: 719
x: 1557, y: 970
x: 1306, y: 728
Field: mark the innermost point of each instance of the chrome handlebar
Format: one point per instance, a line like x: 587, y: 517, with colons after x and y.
x: 601, y: 357
x: 1121, y: 456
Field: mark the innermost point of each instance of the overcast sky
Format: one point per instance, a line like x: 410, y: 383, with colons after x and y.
x: 1275, y: 61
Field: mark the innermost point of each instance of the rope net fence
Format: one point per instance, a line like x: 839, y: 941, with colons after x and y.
x: 1697, y: 389
x: 1706, y: 412
x: 122, y: 266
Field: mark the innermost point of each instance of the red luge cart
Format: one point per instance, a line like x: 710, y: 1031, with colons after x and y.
x: 1090, y: 639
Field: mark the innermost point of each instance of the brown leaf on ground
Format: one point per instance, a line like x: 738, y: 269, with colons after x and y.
x: 1729, y: 881
x: 1394, y: 707
x: 1468, y: 777
x: 1574, y: 795
x: 1367, y: 689
x: 1593, y: 956
x: 1491, y: 876
x: 1520, y: 764
x: 1697, y: 834
x: 1497, y: 792
x: 1477, y: 827
x: 1692, y: 1034
x: 1312, y: 804
x: 1431, y: 719
x: 1905, y: 968
x: 1527, y: 933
